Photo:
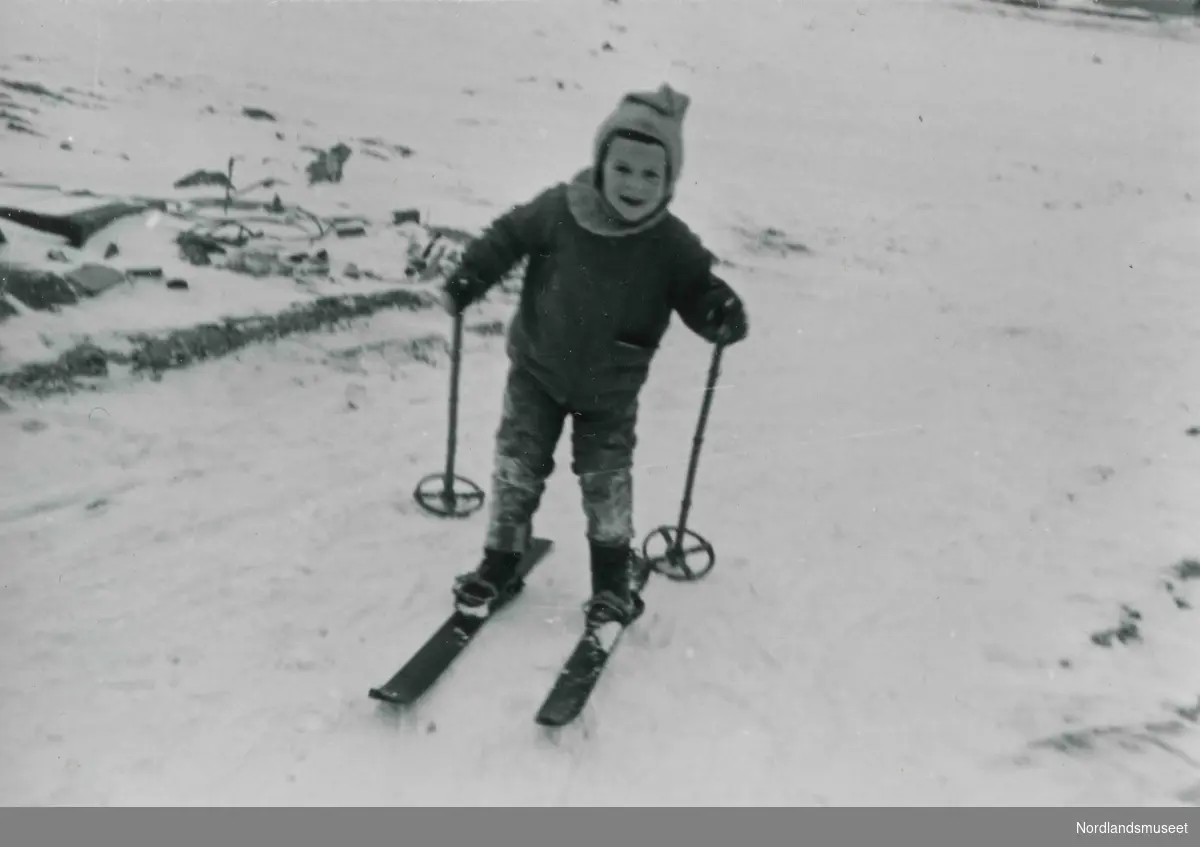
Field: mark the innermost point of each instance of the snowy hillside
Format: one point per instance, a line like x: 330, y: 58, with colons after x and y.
x: 952, y: 477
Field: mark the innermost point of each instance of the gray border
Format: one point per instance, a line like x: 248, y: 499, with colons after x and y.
x: 861, y: 827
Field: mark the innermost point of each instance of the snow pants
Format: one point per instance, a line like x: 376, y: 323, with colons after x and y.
x: 602, y: 443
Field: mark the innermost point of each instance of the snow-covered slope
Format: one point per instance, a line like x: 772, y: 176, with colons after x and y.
x: 953, y: 449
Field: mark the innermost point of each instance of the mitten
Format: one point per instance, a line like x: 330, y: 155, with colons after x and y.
x: 725, y: 320
x: 457, y: 293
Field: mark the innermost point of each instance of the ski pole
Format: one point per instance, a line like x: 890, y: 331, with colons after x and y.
x: 452, y: 429
x: 449, y: 503
x: 675, y: 554
x: 714, y: 370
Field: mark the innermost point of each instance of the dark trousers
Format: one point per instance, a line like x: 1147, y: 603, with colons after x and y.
x: 602, y: 443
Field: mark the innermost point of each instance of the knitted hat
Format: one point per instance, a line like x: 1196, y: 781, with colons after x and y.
x: 657, y: 114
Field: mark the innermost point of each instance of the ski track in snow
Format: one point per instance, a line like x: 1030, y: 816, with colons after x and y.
x: 951, y: 450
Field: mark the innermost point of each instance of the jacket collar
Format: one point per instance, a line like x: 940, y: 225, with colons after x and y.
x: 592, y: 212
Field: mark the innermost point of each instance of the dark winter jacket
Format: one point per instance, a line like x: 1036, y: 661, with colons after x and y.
x: 593, y: 308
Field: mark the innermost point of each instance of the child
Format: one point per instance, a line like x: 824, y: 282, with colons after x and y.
x: 607, y: 265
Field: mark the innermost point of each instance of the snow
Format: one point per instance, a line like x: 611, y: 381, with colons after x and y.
x: 953, y: 447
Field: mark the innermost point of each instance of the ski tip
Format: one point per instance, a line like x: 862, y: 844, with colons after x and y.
x: 387, y: 696
x: 552, y: 721
x: 555, y: 715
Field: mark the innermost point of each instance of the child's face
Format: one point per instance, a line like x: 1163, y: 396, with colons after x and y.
x: 635, y: 177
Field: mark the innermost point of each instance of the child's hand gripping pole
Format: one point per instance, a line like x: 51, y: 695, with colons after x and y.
x: 449, y: 503
x: 673, y: 561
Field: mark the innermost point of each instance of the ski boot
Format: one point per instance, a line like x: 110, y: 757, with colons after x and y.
x: 613, y: 598
x: 478, y: 592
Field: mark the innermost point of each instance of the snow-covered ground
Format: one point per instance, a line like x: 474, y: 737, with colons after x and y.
x: 952, y: 450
